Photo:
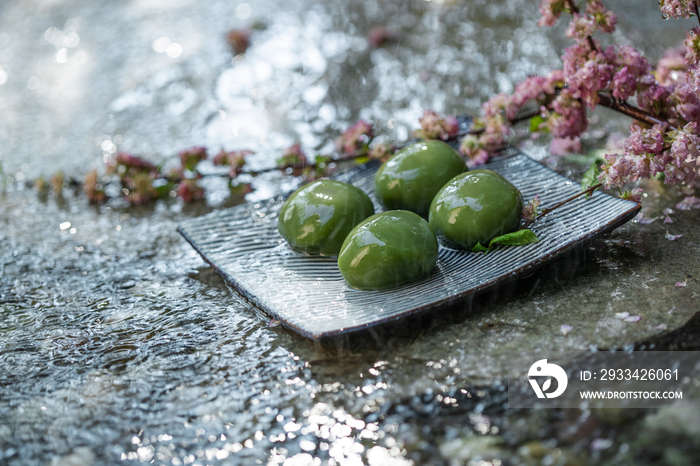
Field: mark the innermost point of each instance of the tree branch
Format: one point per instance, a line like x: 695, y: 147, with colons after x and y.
x: 566, y: 201
x: 637, y: 113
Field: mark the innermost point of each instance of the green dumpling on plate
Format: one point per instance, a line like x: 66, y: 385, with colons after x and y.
x: 475, y: 207
x: 317, y: 217
x: 412, y: 177
x: 387, y: 250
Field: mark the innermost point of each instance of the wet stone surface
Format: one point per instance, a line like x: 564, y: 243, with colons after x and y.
x: 118, y: 343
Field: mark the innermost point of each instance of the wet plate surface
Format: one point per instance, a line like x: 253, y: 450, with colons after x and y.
x: 309, y: 295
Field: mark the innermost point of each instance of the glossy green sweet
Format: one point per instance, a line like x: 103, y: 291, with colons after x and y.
x: 411, y: 178
x: 317, y: 217
x: 388, y: 250
x: 474, y: 208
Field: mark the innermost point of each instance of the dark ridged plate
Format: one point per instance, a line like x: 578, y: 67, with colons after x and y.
x: 308, y: 294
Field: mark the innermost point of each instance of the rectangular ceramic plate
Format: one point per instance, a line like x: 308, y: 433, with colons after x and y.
x: 308, y: 294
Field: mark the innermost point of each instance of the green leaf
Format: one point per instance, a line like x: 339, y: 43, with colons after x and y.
x: 480, y: 248
x: 517, y: 238
x: 536, y: 124
x: 590, y: 178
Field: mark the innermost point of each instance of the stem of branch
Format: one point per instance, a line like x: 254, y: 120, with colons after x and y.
x: 586, y: 192
x: 637, y: 113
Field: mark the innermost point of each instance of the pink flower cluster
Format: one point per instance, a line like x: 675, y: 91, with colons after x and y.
x: 189, y: 158
x: 671, y: 94
x: 551, y: 10
x: 646, y: 154
x: 502, y: 108
x: 355, y: 141
x: 435, y: 126
x: 234, y: 159
x: 292, y: 155
x: 678, y: 8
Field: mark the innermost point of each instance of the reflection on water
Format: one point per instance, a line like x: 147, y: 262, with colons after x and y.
x: 117, y: 343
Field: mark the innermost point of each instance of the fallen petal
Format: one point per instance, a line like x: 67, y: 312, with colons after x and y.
x: 690, y: 202
x: 673, y: 237
x: 682, y: 284
x: 632, y: 319
x: 565, y: 329
x: 661, y: 327
x: 622, y: 315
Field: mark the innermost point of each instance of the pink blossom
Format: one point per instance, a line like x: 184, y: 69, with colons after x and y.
x: 355, y: 140
x: 631, y: 67
x: 667, y: 215
x: 133, y: 161
x: 234, y: 159
x: 532, y: 88
x: 652, y: 96
x: 495, y: 105
x: 292, y: 155
x: 678, y: 8
x: 564, y: 146
x: 382, y: 151
x: 646, y: 141
x: 587, y: 70
x: 568, y: 116
x: 551, y: 10
x: 624, y: 84
x: 472, y: 148
x: 694, y: 79
x: 531, y: 209
x: 606, y: 19
x: 635, y: 195
x: 581, y: 26
x: 189, y: 191
x: 672, y: 66
x: 692, y: 43
x: 141, y: 190
x: 189, y: 158
x: 624, y: 168
x: 479, y: 158
x: 554, y: 81
x: 435, y: 126
x: 687, y: 103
